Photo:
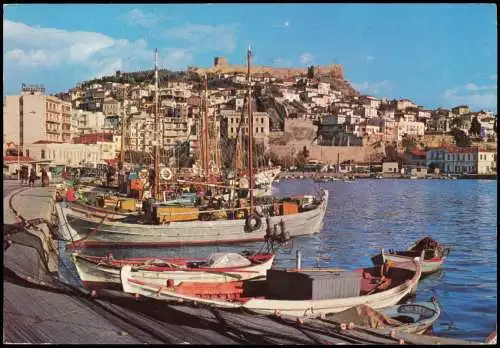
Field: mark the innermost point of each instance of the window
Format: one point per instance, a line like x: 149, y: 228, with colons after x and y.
x: 448, y: 157
x: 262, y: 129
x: 256, y: 129
x: 232, y: 130
x: 468, y: 157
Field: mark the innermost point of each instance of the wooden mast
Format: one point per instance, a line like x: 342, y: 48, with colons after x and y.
x: 121, y: 161
x: 250, y: 132
x: 205, y: 131
x: 156, y: 123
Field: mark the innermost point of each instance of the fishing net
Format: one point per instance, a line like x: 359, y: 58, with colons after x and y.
x: 221, y: 260
x: 426, y: 243
x: 363, y: 316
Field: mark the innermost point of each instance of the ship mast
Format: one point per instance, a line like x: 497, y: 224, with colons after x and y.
x: 205, y: 131
x: 121, y: 161
x: 250, y: 131
x: 156, y: 124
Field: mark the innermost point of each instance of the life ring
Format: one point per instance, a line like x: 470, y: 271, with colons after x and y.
x: 251, y: 227
x: 166, y: 174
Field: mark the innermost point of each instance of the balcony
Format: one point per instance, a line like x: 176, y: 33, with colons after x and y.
x: 53, y: 131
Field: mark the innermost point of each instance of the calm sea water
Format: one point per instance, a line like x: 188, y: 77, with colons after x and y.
x: 367, y: 215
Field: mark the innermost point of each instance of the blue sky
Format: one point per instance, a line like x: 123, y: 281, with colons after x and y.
x: 437, y: 55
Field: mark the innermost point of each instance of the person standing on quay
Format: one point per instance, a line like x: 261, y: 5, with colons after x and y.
x: 32, y: 177
x: 45, y: 178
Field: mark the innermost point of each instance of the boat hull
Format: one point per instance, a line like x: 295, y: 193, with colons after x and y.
x: 95, y: 275
x: 428, y: 266
x: 382, y: 299
x: 76, y: 225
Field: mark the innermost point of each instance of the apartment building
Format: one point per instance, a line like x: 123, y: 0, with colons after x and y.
x: 84, y: 122
x: 452, y: 159
x: 34, y: 116
x: 487, y: 161
x: 260, y: 125
x: 177, y: 129
x: 110, y: 107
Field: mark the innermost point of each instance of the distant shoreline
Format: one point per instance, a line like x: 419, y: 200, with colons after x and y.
x: 315, y: 175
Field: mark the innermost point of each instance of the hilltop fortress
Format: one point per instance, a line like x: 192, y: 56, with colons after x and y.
x: 222, y: 66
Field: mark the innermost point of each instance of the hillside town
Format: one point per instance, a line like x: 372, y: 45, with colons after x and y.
x: 299, y: 115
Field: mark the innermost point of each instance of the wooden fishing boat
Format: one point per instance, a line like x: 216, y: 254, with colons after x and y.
x: 431, y: 254
x: 129, y: 231
x: 409, y: 318
x: 379, y: 287
x: 104, y: 272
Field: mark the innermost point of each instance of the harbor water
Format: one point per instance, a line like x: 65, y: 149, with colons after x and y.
x: 367, y: 215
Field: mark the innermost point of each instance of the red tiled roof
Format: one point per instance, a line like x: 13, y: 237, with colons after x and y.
x: 417, y: 152
x: 14, y: 159
x: 93, y: 138
x: 455, y: 149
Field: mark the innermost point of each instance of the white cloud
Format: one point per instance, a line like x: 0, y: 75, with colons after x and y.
x: 143, y: 19
x: 369, y: 59
x: 206, y: 37
x: 493, y: 77
x: 475, y: 96
x: 286, y: 24
x: 306, y: 58
x: 28, y: 49
x: 376, y: 88
x: 176, y: 58
x: 280, y: 62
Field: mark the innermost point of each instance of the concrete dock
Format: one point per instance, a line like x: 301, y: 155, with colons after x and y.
x: 40, y: 309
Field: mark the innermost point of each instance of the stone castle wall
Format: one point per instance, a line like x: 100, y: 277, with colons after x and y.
x: 221, y: 65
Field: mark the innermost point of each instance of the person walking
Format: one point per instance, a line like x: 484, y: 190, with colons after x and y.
x: 32, y: 176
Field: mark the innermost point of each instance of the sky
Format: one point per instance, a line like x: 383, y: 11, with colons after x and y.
x: 437, y: 55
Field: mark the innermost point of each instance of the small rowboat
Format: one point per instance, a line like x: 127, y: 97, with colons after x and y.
x: 429, y: 251
x: 376, y: 290
x: 409, y: 318
x: 103, y: 272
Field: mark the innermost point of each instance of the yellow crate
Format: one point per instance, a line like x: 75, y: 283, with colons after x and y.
x: 169, y: 214
x: 127, y: 204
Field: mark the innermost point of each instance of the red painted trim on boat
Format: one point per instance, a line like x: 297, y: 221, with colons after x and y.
x: 99, y: 244
x: 435, y: 259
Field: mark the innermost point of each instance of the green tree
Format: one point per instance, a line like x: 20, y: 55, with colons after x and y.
x: 461, y: 139
x: 310, y: 72
x: 475, y: 127
x: 408, y: 143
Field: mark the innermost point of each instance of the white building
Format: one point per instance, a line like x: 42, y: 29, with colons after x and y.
x: 452, y: 159
x: 487, y: 161
x: 405, y: 103
x: 58, y: 154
